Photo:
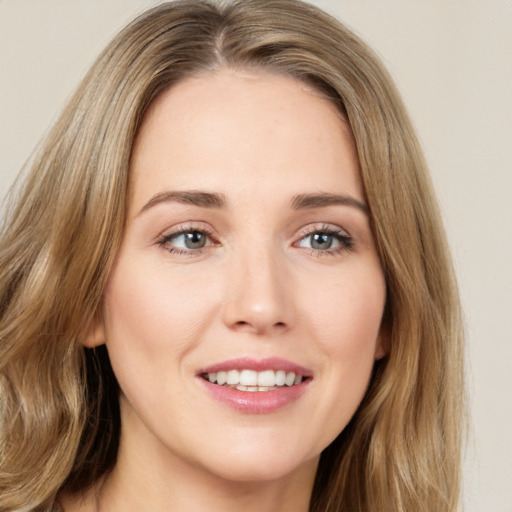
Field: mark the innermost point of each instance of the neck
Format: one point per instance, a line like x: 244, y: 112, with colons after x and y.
x: 205, y: 493
x: 193, y: 491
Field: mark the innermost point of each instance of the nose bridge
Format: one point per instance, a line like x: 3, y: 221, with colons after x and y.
x: 257, y: 298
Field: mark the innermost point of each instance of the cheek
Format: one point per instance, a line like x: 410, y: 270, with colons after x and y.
x: 347, y: 315
x: 347, y: 324
x: 348, y: 334
x: 151, y: 324
x: 152, y: 311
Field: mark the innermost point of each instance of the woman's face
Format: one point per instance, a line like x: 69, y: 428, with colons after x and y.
x: 247, y: 256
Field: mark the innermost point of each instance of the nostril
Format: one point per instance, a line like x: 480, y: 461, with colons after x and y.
x: 244, y: 325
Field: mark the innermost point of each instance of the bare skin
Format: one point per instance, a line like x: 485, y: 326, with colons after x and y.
x: 277, y: 262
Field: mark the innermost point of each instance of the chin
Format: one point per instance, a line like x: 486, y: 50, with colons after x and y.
x: 260, y: 465
x: 261, y: 472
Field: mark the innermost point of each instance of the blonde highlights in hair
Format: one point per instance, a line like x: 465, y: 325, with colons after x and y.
x: 59, y: 418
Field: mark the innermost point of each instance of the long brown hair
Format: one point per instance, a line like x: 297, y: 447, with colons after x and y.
x: 59, y: 417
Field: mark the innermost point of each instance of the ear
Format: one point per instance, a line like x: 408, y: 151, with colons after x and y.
x: 96, y: 335
x: 383, y: 341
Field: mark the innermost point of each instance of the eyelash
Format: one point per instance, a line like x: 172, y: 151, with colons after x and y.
x: 164, y: 240
x: 345, y: 240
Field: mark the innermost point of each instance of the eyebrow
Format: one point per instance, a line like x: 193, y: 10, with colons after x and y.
x: 193, y: 197
x: 215, y: 200
x: 309, y: 201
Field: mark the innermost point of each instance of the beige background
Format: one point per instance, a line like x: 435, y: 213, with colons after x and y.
x: 453, y: 62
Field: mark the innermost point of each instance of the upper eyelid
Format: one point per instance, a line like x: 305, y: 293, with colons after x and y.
x: 344, y: 237
x: 164, y: 241
x: 187, y: 228
x: 207, y: 229
x: 322, y: 227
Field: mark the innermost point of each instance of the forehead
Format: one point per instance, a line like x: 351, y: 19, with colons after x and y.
x: 245, y: 131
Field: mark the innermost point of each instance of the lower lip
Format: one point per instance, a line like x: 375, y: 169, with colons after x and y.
x: 256, y: 402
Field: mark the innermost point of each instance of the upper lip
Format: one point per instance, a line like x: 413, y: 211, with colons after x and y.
x: 259, y: 365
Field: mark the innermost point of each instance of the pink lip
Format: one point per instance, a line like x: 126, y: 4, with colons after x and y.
x: 245, y: 363
x: 257, y: 402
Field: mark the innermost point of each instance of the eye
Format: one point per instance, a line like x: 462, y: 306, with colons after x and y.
x: 327, y: 240
x: 319, y: 241
x: 186, y: 240
x: 190, y: 240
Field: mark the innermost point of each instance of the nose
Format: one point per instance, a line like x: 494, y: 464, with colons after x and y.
x: 258, y: 294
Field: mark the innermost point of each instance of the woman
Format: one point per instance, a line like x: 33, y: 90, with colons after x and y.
x: 225, y: 282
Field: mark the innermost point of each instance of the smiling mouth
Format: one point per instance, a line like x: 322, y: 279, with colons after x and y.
x: 251, y: 380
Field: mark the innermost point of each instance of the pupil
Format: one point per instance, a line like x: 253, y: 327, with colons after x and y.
x: 321, y: 241
x: 194, y: 240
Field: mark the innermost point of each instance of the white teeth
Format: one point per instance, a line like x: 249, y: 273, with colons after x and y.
x: 290, y: 379
x: 267, y: 378
x: 253, y: 388
x: 280, y: 377
x: 250, y: 380
x: 233, y: 377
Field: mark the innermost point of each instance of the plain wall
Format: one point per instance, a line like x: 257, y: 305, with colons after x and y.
x: 452, y: 60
